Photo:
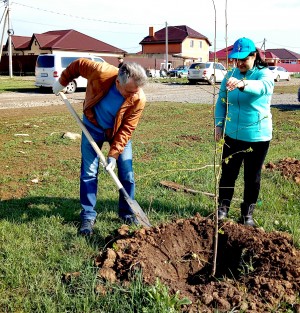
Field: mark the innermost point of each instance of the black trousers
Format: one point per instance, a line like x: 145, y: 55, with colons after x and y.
x: 236, y: 152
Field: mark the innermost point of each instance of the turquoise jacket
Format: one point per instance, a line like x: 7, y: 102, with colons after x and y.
x: 249, y: 115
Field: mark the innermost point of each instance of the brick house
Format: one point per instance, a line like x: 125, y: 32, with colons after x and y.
x: 185, y: 46
x: 284, y: 56
x: 221, y: 56
x: 26, y: 49
x: 277, y: 57
x: 182, y: 42
x: 60, y: 40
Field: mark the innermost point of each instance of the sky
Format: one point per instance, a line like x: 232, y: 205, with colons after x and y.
x: 124, y: 24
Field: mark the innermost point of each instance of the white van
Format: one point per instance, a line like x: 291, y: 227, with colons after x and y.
x: 48, y: 69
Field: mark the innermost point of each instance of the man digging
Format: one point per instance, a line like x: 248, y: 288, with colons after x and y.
x: 113, y: 105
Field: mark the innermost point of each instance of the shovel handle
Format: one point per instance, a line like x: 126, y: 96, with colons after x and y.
x: 135, y: 208
x: 91, y: 141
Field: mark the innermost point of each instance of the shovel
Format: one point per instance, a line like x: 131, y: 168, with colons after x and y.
x: 134, y: 206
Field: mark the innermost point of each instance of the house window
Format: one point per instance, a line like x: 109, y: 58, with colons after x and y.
x: 192, y: 44
x: 200, y: 44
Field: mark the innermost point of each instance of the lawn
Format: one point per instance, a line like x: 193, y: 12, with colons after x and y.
x: 39, y: 206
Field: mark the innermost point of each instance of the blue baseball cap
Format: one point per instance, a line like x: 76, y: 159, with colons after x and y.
x: 242, y: 48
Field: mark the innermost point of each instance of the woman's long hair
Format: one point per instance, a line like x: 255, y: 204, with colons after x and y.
x: 259, y: 62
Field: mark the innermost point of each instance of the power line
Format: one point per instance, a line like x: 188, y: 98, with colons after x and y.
x: 102, y: 31
x: 281, y: 45
x: 79, y: 17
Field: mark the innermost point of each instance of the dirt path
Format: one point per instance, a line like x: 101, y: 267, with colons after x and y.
x: 155, y: 91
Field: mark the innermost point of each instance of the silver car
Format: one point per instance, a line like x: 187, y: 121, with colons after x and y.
x: 209, y: 72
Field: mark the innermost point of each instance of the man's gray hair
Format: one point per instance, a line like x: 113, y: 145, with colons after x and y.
x: 134, y: 71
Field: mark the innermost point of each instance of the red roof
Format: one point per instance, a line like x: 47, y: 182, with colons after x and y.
x: 67, y: 40
x: 285, y: 54
x: 73, y: 40
x: 176, y: 34
x: 222, y: 54
x: 270, y: 55
x: 20, y: 42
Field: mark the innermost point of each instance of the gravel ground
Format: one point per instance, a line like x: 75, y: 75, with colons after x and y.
x: 155, y: 91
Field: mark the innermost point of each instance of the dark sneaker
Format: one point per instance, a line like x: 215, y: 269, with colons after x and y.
x: 86, y: 227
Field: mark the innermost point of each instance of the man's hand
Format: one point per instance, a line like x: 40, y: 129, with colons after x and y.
x: 111, y: 163
x: 57, y: 87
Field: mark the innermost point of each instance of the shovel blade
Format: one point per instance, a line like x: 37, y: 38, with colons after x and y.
x: 139, y: 213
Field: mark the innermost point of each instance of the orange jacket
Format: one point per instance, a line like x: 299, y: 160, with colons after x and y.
x: 100, y: 77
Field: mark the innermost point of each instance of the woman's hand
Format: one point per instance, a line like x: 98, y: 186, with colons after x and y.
x: 218, y: 133
x: 233, y: 83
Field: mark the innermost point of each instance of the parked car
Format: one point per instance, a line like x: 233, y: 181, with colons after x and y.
x: 279, y: 73
x: 179, y: 71
x: 299, y: 94
x: 205, y: 72
x: 49, y: 67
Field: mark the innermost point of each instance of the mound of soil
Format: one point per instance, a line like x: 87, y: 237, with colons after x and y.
x: 256, y: 271
x: 289, y: 167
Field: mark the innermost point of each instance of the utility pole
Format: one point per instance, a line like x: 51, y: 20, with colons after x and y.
x: 167, y: 61
x: 10, y: 32
x: 4, y: 24
x: 263, y: 46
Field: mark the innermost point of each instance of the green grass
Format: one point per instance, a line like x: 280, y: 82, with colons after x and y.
x: 280, y: 88
x: 38, y: 221
x: 17, y: 83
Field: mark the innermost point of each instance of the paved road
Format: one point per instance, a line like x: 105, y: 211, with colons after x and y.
x: 200, y: 93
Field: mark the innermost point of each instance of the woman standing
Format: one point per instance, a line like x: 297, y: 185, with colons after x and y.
x: 246, y: 122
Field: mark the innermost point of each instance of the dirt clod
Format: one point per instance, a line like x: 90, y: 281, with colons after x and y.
x: 256, y: 271
x: 289, y: 167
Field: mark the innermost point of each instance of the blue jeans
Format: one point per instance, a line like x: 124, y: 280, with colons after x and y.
x: 89, y: 175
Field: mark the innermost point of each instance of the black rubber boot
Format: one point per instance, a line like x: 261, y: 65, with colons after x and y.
x: 246, y: 214
x: 222, y: 212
